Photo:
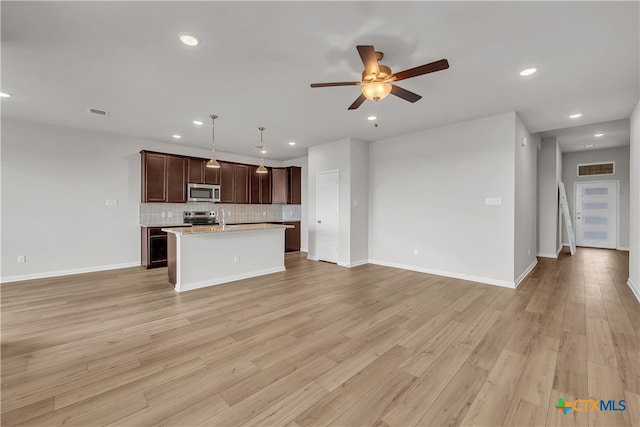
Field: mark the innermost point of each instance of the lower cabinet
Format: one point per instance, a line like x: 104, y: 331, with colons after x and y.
x: 292, y: 237
x: 153, y: 247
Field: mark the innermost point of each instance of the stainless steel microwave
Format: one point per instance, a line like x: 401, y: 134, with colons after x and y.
x: 203, y: 193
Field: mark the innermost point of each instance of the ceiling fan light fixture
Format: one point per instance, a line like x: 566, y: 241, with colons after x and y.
x: 376, y: 91
x: 213, y: 163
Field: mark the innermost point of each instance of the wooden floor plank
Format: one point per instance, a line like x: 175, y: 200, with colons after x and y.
x: 321, y: 345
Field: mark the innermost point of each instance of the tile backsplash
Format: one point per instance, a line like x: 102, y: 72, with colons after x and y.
x: 171, y: 213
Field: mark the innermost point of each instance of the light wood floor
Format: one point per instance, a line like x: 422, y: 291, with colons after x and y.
x: 323, y: 345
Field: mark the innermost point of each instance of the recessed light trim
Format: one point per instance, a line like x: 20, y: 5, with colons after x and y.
x: 372, y: 118
x: 575, y: 116
x: 598, y: 135
x: 590, y: 146
x: 198, y: 122
x: 292, y: 143
x: 188, y: 39
x: 528, y: 71
x: 263, y: 151
x: 5, y: 95
x: 176, y: 136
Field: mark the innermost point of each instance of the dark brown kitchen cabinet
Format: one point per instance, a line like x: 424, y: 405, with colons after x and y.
x: 199, y: 173
x: 260, y: 187
x: 292, y: 237
x: 154, y: 177
x: 234, y: 183
x: 294, y: 185
x: 153, y: 245
x: 163, y: 178
x: 279, y: 186
x: 287, y: 185
x: 176, y: 179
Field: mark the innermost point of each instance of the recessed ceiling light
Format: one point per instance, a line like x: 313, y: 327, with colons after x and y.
x: 575, y: 116
x: 5, y: 95
x: 292, y: 143
x: 528, y: 71
x: 371, y: 118
x: 176, y: 136
x: 188, y: 39
x: 589, y: 145
x: 598, y: 135
x: 197, y: 123
x: 263, y: 151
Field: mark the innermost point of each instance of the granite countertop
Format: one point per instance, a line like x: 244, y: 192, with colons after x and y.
x: 208, y: 229
x: 165, y: 225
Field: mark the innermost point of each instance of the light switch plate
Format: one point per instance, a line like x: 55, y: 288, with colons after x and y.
x: 493, y: 201
x: 111, y: 202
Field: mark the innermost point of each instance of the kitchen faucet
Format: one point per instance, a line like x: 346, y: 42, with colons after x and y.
x: 222, y: 210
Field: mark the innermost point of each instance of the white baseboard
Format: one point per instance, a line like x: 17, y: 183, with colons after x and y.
x: 304, y: 250
x: 558, y: 251
x: 635, y: 289
x: 545, y: 255
x: 59, y: 273
x: 622, y: 248
x: 353, y: 264
x: 526, y: 272
x: 485, y: 280
x: 226, y: 279
x: 312, y: 258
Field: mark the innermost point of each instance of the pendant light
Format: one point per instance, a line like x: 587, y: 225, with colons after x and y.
x: 213, y: 163
x: 261, y: 168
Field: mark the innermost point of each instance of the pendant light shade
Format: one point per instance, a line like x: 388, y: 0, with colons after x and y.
x: 261, y: 168
x: 376, y: 91
x: 213, y: 163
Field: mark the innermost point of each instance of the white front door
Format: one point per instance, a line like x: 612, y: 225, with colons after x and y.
x: 327, y: 216
x: 597, y: 214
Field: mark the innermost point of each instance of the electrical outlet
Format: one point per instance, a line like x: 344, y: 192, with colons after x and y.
x: 264, y: 213
x: 529, y: 251
x: 163, y: 214
x: 22, y: 259
x: 416, y: 252
x: 169, y: 214
x: 236, y: 258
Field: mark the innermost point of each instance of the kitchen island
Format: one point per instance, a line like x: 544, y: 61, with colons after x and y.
x: 202, y: 256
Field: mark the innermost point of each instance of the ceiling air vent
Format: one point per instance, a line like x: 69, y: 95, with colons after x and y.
x: 96, y: 112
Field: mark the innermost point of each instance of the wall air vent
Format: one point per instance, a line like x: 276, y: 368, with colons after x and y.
x: 100, y: 113
x: 604, y: 168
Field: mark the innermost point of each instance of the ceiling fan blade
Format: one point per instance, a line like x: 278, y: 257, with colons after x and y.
x: 358, y: 102
x: 407, y: 95
x: 335, y: 84
x: 368, y: 56
x: 440, y: 65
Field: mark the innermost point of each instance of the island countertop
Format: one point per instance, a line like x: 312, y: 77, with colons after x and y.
x: 208, y: 229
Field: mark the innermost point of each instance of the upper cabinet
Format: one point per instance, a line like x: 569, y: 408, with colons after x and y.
x: 260, y: 187
x: 234, y: 183
x: 287, y: 185
x: 163, y: 178
x: 199, y: 173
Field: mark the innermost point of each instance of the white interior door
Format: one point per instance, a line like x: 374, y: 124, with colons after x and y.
x: 597, y: 214
x: 327, y: 216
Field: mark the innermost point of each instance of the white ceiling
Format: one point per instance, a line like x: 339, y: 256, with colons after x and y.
x: 256, y: 60
x: 616, y: 133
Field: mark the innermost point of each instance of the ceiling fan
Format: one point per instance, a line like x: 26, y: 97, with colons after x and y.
x: 376, y: 78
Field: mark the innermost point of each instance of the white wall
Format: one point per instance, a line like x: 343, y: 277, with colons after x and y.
x: 427, y: 193
x: 359, y: 170
x: 620, y: 156
x: 634, y: 202
x: 55, y: 181
x: 526, y: 195
x: 548, y: 230
x: 303, y: 162
x: 328, y: 157
x: 558, y: 179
